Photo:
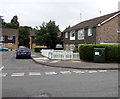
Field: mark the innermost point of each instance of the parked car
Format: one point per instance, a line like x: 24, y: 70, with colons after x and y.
x: 22, y: 47
x: 3, y: 49
x: 23, y: 53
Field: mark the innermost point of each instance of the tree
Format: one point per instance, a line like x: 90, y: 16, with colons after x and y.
x: 14, y: 20
x: 10, y: 25
x: 24, y: 33
x: 13, y: 24
x: 47, y: 34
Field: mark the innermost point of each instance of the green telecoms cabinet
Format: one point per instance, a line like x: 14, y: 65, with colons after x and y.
x: 99, y: 55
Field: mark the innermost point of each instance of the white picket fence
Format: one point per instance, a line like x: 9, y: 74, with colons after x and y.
x: 60, y: 54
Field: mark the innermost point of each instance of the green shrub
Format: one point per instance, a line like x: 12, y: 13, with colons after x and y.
x: 112, y: 52
x: 37, y: 49
x: 75, y: 49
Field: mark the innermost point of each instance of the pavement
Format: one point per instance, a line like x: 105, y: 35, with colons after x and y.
x: 38, y: 58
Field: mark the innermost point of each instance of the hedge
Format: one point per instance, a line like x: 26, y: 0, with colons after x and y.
x: 86, y: 52
x: 38, y: 49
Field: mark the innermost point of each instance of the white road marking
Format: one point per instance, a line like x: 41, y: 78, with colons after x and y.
x: 65, y: 72
x: 78, y: 72
x: 50, y: 73
x: 34, y: 74
x: 1, y: 68
x: 3, y: 74
x: 92, y: 71
x: 102, y: 70
x: 54, y: 61
x: 33, y: 55
x: 17, y: 74
x: 41, y: 58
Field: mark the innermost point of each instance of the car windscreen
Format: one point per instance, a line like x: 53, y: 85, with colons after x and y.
x: 24, y: 49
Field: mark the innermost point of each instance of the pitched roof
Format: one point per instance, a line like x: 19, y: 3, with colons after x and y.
x: 92, y: 22
x: 9, y: 32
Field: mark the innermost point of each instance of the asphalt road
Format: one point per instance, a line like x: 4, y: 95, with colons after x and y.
x: 24, y: 78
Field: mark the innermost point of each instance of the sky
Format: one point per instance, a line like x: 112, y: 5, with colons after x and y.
x: 64, y: 12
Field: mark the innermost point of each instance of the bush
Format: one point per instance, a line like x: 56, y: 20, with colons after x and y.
x: 37, y: 49
x: 86, y: 52
x: 75, y: 49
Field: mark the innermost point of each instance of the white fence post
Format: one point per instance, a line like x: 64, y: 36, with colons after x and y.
x: 60, y: 54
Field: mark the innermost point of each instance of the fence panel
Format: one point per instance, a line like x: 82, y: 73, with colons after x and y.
x: 60, y: 54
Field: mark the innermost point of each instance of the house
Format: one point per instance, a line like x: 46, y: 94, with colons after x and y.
x: 32, y: 39
x: 1, y: 21
x: 9, y: 38
x: 103, y: 29
x: 59, y: 45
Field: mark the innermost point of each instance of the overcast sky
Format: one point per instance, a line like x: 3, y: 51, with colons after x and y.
x: 63, y: 12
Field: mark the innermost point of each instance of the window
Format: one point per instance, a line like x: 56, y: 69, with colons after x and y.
x: 90, y: 32
x: 10, y: 37
x: 72, y: 47
x: 1, y: 45
x: 66, y: 35
x: 81, y: 34
x: 118, y: 30
x: 1, y: 38
x: 72, y: 35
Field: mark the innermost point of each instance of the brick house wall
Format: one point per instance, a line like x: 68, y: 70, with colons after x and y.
x: 11, y: 44
x: 32, y: 39
x: 104, y: 30
x: 107, y: 33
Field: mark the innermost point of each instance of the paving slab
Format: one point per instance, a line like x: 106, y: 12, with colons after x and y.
x: 38, y: 58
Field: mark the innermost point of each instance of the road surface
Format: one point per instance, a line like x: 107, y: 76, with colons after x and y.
x: 24, y: 78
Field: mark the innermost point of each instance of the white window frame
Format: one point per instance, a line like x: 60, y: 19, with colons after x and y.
x: 81, y: 34
x: 71, y: 35
x: 66, y: 35
x: 2, y: 38
x: 89, y: 31
x: 10, y: 37
x: 1, y: 45
x: 72, y: 47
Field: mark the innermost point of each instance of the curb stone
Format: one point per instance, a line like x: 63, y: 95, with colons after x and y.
x: 58, y: 66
